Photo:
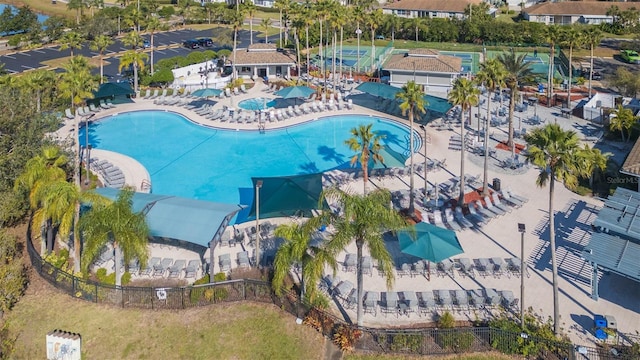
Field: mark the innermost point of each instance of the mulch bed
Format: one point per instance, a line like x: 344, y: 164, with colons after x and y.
x: 504, y: 146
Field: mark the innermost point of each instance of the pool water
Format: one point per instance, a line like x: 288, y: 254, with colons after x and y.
x: 256, y: 104
x: 189, y: 160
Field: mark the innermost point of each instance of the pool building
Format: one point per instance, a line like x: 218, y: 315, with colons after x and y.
x: 263, y: 61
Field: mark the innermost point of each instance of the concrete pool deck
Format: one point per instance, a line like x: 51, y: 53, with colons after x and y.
x: 619, y: 297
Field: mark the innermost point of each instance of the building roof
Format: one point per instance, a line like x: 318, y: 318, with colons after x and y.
x: 615, y: 254
x: 455, y: 6
x: 578, y: 8
x: 263, y: 54
x: 621, y: 214
x: 430, y: 63
x: 631, y: 164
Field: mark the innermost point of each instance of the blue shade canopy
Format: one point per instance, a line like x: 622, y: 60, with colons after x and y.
x: 208, y: 92
x: 172, y: 217
x: 113, y: 89
x: 378, y: 89
x: 429, y: 242
x: 288, y: 195
x: 294, y: 92
x: 614, y: 254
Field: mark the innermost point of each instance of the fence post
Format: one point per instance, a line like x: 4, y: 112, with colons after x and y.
x: 152, y: 305
x: 96, y: 294
x: 182, y: 297
x: 244, y: 289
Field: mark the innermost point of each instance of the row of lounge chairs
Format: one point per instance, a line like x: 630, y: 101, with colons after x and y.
x: 112, y: 176
x: 89, y: 110
x: 340, y: 177
x: 157, y: 267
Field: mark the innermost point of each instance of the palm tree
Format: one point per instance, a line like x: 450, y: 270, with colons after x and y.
x: 249, y: 9
x: 517, y: 70
x: 592, y: 37
x: 374, y: 20
x: 572, y: 38
x: 76, y: 5
x: 393, y: 23
x: 412, y: 103
x: 60, y: 202
x: 282, y: 6
x: 300, y: 249
x: 153, y: 25
x: 492, y: 75
x: 40, y: 170
x: 623, y: 121
x: 77, y: 83
x: 308, y: 13
x: 235, y: 19
x: 367, y: 146
x: 266, y: 24
x: 594, y: 161
x: 133, y: 58
x: 365, y: 219
x: 323, y: 10
x: 115, y: 223
x: 100, y: 44
x: 553, y: 35
x: 464, y: 94
x: 71, y: 40
x: 38, y: 81
x: 555, y: 152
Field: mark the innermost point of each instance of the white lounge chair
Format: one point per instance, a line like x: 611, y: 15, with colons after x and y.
x: 147, y: 94
x: 243, y: 88
x: 489, y: 206
x: 68, y: 114
x: 350, y: 104
x: 497, y: 203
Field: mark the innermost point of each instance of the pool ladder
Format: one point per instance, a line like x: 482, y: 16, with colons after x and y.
x: 145, y: 185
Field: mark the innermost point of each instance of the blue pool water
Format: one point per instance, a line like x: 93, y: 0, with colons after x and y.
x: 256, y: 104
x: 188, y: 160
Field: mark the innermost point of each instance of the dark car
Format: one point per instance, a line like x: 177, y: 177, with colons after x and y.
x: 191, y: 44
x: 204, y: 42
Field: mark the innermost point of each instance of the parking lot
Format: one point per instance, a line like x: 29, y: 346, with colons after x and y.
x: 167, y: 44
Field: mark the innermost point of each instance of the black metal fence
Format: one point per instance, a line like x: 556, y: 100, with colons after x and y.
x: 429, y: 341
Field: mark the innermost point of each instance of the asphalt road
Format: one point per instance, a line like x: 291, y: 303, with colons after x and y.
x: 170, y: 44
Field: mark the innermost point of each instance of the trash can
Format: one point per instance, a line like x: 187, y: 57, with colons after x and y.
x: 496, y: 184
x: 611, y: 322
x: 600, y: 321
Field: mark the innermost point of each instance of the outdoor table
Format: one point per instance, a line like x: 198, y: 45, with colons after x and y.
x: 507, y: 296
x: 350, y: 261
x: 367, y: 266
x: 566, y: 112
x: 535, y: 119
x: 462, y: 297
x: 532, y: 100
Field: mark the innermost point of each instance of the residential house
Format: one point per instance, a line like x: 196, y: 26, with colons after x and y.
x: 263, y: 61
x: 574, y: 12
x: 434, y: 71
x: 446, y: 9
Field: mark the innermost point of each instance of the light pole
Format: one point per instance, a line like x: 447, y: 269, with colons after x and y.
x: 258, y: 186
x: 426, y: 193
x: 87, y: 161
x: 358, y: 32
x: 521, y: 229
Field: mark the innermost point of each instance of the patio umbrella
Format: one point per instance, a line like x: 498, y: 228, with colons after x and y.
x: 429, y: 242
x: 295, y: 92
x: 208, y: 92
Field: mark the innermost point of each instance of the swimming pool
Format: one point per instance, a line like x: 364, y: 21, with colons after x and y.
x: 256, y: 104
x: 188, y: 160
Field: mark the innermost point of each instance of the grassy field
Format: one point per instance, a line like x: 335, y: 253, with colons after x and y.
x: 228, y: 331
x: 490, y: 356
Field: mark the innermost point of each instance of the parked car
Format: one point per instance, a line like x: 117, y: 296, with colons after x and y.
x: 191, y: 44
x: 630, y: 56
x: 204, y: 42
x: 146, y: 44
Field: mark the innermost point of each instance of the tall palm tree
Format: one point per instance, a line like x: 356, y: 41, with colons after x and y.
x: 359, y: 16
x: 249, y: 9
x: 76, y: 5
x: 77, y: 83
x: 572, y: 38
x: 71, y: 40
x: 308, y: 12
x: 412, y: 103
x: 323, y: 10
x: 592, y: 37
x: 235, y: 19
x: 60, y: 202
x: 555, y: 151
x: 553, y: 35
x: 265, y: 24
x: 623, y: 121
x: 393, y: 23
x: 283, y: 6
x: 517, y: 71
x: 464, y: 94
x: 133, y: 58
x: 594, y: 162
x: 42, y: 169
x: 115, y: 223
x: 365, y: 219
x: 38, y: 81
x: 100, y: 44
x: 300, y: 249
x: 491, y: 75
x: 154, y: 25
x: 366, y: 144
x: 373, y: 21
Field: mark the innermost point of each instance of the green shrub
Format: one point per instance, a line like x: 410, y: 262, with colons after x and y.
x: 101, y: 274
x: 458, y: 341
x: 446, y: 321
x: 126, y: 278
x: 406, y: 342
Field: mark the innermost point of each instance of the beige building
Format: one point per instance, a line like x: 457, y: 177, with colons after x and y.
x: 574, y: 12
x: 434, y: 71
x: 263, y: 60
x: 446, y: 9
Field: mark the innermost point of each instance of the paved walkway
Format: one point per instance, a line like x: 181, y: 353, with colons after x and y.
x: 499, y: 238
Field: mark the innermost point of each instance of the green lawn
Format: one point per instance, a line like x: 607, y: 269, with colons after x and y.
x: 490, y: 356
x: 226, y: 331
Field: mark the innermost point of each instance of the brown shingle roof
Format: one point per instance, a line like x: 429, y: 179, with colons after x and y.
x: 440, y: 63
x: 457, y: 6
x: 578, y: 8
x: 632, y: 163
x: 262, y: 46
x: 264, y: 57
x: 427, y: 52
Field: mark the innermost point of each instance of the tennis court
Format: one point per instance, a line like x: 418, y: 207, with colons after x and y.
x: 470, y: 61
x: 539, y: 64
x: 351, y: 57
